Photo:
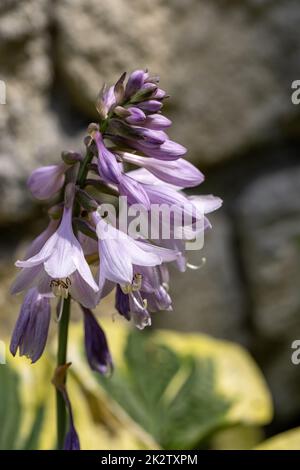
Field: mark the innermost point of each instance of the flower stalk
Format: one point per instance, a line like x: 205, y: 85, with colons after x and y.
x: 61, y: 411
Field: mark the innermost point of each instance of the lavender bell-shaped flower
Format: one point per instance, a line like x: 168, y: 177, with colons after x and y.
x: 119, y: 253
x: 46, y: 181
x: 60, y: 265
x: 96, y: 346
x: 178, y: 172
x: 31, y: 330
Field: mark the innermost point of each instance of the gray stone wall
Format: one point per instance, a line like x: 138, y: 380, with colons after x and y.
x: 228, y: 66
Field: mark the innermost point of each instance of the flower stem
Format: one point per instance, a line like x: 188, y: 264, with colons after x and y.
x: 84, y: 168
x: 61, y: 412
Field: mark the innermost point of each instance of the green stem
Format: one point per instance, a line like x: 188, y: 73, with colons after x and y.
x: 84, y: 168
x: 61, y: 412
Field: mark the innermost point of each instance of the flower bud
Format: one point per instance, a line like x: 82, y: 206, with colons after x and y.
x: 70, y: 158
x: 86, y: 201
x: 144, y: 93
x: 119, y: 90
x: 152, y: 106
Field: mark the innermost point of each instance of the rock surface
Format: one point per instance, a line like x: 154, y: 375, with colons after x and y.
x: 210, y: 299
x: 229, y: 70
x: 269, y: 225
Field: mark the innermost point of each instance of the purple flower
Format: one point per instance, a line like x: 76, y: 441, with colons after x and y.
x: 134, y: 191
x: 96, y: 346
x: 31, y: 330
x: 108, y: 166
x: 61, y: 265
x: 45, y: 181
x: 157, y: 122
x: 150, y: 106
x: 135, y: 82
x: 136, y: 116
x: 168, y: 150
x: 119, y: 253
x: 177, y: 172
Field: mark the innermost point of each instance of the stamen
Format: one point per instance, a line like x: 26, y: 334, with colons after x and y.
x: 135, y: 286
x: 60, y: 287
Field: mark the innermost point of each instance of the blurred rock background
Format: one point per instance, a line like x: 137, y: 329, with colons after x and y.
x: 228, y: 66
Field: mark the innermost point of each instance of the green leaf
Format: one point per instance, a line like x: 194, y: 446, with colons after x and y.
x: 173, y: 398
x: 10, y: 410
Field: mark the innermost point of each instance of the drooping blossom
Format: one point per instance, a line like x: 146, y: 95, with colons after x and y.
x: 96, y: 346
x: 119, y: 253
x: 60, y: 265
x: 31, y: 330
x: 46, y: 181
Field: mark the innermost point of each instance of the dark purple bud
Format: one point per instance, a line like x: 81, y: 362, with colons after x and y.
x: 31, y: 330
x: 72, y: 440
x: 122, y: 303
x: 135, y: 82
x: 169, y: 150
x: 151, y: 106
x: 157, y: 122
x: 136, y: 115
x: 145, y: 93
x: 159, y: 94
x: 96, y: 346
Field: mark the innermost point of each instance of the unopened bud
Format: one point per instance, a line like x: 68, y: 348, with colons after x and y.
x: 101, y: 104
x: 122, y: 112
x: 70, y: 157
x: 119, y: 89
x: 86, y: 201
x: 92, y: 128
x: 144, y: 93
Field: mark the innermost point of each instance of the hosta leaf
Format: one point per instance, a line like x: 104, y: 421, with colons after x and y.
x: 289, y: 440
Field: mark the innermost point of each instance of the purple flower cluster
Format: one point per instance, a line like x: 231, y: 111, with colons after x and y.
x: 82, y: 255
